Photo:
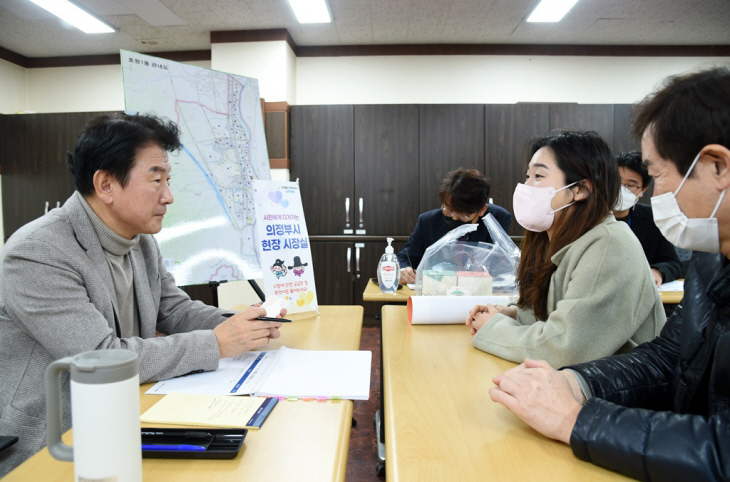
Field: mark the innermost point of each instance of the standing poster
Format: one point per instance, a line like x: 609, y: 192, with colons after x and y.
x: 283, y: 244
x: 208, y: 232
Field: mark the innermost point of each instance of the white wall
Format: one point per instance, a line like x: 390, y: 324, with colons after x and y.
x: 272, y: 63
x: 13, y: 94
x: 370, y: 80
x: 78, y: 89
x: 485, y: 79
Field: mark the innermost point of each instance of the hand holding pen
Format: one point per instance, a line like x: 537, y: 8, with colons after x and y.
x: 407, y: 274
x: 245, y: 331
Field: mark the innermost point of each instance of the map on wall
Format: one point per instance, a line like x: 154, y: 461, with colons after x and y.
x: 209, y: 231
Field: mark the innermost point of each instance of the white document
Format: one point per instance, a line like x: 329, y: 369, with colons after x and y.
x: 274, y: 305
x: 676, y: 285
x: 285, y: 372
x: 436, y: 310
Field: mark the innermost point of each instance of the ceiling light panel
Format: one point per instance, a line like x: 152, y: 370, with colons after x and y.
x: 74, y: 15
x: 551, y: 10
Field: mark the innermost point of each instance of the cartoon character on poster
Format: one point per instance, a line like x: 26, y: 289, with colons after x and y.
x: 283, y: 244
x: 278, y: 268
x: 298, y: 268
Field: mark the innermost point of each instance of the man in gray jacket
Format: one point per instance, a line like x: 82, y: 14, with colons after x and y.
x: 89, y: 276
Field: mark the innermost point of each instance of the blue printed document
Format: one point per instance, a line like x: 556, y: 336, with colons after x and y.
x: 284, y: 373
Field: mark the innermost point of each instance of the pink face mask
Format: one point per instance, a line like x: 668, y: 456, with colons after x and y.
x: 532, y: 206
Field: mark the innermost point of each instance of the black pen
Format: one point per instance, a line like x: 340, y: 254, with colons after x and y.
x: 262, y: 318
x: 266, y: 318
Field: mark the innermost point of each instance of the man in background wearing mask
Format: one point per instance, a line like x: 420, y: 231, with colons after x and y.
x: 635, y: 179
x: 464, y: 197
x: 661, y: 412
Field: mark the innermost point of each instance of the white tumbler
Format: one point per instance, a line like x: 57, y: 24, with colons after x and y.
x: 107, y: 439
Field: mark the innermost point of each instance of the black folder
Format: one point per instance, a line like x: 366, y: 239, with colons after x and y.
x: 219, y: 443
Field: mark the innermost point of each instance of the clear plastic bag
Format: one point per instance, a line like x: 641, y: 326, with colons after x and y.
x: 453, y: 267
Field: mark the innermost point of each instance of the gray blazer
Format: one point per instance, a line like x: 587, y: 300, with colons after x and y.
x: 57, y: 299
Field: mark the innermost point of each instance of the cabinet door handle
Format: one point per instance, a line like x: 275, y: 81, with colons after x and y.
x: 349, y: 259
x: 58, y: 204
x: 360, y: 203
x: 46, y: 211
x: 357, y: 259
x: 347, y: 212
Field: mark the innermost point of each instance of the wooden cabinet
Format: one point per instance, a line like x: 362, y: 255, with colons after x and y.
x: 386, y: 169
x: 507, y: 128
x: 393, y: 157
x: 342, y: 270
x: 322, y: 149
x: 584, y: 117
x: 357, y: 168
x: 451, y: 136
x: 358, y: 171
x: 32, y: 156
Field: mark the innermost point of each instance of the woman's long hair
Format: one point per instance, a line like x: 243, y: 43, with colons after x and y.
x: 582, y: 156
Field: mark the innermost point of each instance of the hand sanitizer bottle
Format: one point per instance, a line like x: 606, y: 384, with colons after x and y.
x: 388, y: 270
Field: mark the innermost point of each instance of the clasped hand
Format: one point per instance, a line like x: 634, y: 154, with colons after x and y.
x: 242, y: 332
x: 546, y: 399
x: 481, y: 314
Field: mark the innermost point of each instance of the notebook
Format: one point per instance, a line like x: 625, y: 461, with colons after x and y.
x: 284, y: 373
x: 210, y: 410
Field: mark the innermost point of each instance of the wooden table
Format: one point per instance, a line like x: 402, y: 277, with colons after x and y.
x: 372, y: 293
x: 299, y: 441
x: 440, y: 423
x: 671, y: 297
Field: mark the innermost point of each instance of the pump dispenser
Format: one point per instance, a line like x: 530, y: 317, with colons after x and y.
x: 388, y: 270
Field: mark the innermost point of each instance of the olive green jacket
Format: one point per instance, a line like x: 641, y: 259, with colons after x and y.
x: 602, y: 300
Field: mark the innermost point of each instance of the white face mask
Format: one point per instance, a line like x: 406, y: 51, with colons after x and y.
x: 697, y: 234
x: 626, y: 199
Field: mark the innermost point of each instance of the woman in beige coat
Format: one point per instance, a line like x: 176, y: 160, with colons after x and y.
x: 586, y: 290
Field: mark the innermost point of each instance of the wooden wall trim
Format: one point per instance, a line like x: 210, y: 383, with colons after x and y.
x: 13, y: 57
x: 517, y: 49
x: 88, y: 60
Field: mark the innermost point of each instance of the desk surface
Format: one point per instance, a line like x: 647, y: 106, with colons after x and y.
x: 440, y: 423
x: 671, y: 297
x: 372, y: 293
x: 299, y: 441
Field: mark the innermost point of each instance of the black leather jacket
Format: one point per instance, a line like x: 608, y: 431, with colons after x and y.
x: 661, y: 412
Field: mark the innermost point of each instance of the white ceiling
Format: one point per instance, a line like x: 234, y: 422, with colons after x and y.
x: 179, y: 25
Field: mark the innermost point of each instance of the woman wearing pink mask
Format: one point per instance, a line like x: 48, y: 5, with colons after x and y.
x: 586, y: 290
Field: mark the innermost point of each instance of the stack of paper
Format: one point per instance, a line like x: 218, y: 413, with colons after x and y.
x: 284, y: 373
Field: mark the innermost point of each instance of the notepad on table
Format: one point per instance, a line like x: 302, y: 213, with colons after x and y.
x: 286, y: 372
x: 210, y: 411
